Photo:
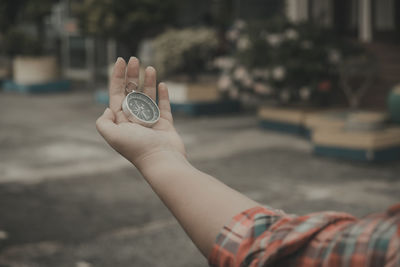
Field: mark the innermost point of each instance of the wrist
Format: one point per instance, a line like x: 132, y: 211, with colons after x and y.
x: 160, y: 162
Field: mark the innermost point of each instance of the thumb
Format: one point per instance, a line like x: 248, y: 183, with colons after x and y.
x: 106, y: 126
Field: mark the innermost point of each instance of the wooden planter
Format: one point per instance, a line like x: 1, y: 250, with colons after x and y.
x: 199, y: 98
x: 382, y: 145
x: 36, y: 75
x: 185, y: 93
x: 35, y: 70
x: 287, y: 119
x: 338, y: 133
x: 362, y: 136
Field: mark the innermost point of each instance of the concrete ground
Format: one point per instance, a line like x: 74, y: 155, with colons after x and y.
x: 67, y: 199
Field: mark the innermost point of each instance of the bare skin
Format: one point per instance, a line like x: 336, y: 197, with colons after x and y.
x: 200, y: 203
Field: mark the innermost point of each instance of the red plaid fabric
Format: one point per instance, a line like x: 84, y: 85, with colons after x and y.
x: 262, y: 236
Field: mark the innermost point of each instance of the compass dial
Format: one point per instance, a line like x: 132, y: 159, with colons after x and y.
x: 142, y: 107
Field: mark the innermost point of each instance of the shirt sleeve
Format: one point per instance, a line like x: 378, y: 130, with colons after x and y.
x: 262, y: 236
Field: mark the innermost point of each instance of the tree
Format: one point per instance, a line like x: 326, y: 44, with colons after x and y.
x: 14, y: 14
x: 126, y: 21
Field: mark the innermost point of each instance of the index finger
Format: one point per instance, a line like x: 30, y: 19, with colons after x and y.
x: 117, y: 85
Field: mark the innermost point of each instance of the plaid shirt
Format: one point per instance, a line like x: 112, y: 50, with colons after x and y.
x: 262, y: 236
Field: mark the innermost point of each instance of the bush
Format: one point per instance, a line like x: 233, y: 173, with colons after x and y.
x: 126, y: 21
x: 286, y: 61
x: 16, y: 42
x: 14, y: 15
x: 187, y: 51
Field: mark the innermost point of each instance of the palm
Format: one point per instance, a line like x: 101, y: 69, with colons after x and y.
x: 161, y: 137
x: 130, y: 139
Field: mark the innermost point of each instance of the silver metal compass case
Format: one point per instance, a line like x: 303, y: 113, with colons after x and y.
x: 140, y: 108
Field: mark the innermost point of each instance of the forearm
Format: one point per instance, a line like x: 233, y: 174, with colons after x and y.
x: 200, y: 203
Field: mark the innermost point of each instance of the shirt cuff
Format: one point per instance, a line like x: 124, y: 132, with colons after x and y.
x: 235, y: 239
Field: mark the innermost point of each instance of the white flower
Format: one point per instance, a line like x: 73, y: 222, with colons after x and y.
x: 232, y: 35
x: 224, y: 82
x: 305, y: 93
x: 291, y: 34
x: 247, y: 82
x: 240, y: 73
x: 284, y: 96
x: 334, y: 56
x: 279, y: 73
x: 243, y: 43
x: 306, y: 44
x: 225, y: 63
x: 261, y: 73
x: 239, y: 24
x: 262, y: 88
x: 274, y: 39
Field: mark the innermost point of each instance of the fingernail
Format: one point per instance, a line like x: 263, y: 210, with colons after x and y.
x: 150, y: 68
x: 119, y: 59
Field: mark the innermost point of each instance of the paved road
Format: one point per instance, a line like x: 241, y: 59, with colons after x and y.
x: 67, y: 199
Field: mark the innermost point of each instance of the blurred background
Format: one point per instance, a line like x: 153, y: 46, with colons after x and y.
x: 294, y: 103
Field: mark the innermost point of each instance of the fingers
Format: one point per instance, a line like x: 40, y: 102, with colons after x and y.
x: 132, y: 72
x: 120, y: 117
x: 117, y: 85
x: 150, y: 82
x: 106, y: 126
x: 163, y: 102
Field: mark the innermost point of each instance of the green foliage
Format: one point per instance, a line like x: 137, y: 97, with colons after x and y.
x: 127, y: 21
x: 13, y: 40
x: 36, y: 10
x: 19, y: 43
x: 288, y: 61
x: 186, y: 51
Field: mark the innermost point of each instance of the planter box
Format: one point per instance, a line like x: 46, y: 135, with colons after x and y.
x: 199, y: 98
x: 35, y: 70
x: 206, y: 108
x: 183, y: 93
x: 192, y: 108
x: 380, y: 145
x: 338, y: 119
x: 328, y: 120
x: 49, y: 87
x: 286, y: 120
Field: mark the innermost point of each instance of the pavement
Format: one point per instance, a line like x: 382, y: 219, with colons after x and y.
x: 67, y: 199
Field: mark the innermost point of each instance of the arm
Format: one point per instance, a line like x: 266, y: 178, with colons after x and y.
x: 200, y: 203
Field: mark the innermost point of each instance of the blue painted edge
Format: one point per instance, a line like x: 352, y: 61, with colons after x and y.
x: 207, y: 108
x: 285, y: 127
x: 379, y: 155
x: 50, y: 87
x: 101, y: 97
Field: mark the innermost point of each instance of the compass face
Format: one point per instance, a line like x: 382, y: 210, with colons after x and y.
x: 142, y: 107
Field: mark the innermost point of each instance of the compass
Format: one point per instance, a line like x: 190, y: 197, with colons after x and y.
x: 140, y: 108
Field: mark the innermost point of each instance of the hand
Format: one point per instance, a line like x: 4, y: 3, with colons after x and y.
x: 142, y: 146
